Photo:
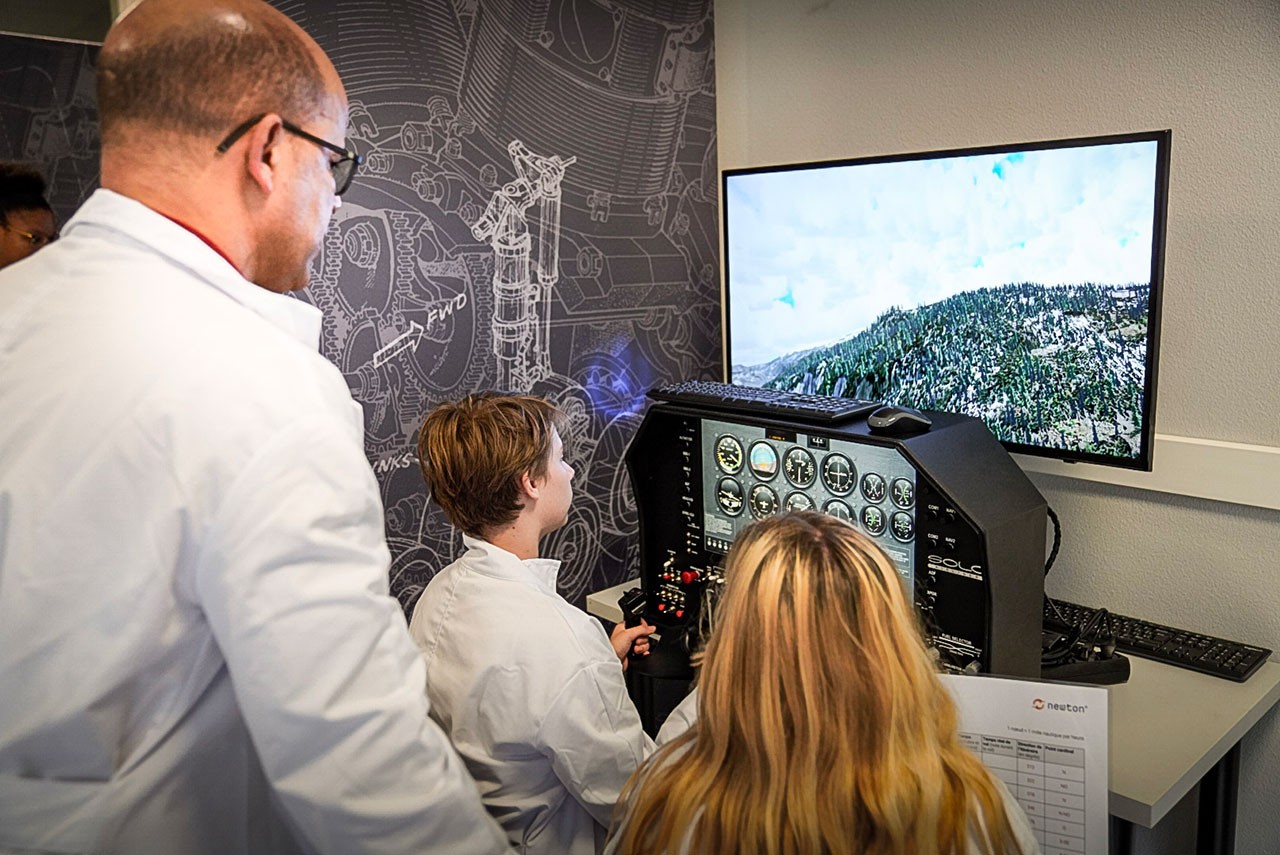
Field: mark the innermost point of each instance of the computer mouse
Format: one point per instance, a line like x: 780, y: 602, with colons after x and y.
x: 892, y: 421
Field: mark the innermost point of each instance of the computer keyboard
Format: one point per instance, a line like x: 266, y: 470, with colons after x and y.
x: 1218, y: 657
x: 747, y: 399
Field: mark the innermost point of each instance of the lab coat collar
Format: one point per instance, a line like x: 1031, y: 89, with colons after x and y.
x: 111, y: 211
x: 498, y: 562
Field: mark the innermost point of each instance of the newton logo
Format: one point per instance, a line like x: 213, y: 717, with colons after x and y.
x: 1055, y: 706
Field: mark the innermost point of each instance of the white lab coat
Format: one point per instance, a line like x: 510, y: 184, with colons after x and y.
x: 198, y: 653
x: 531, y: 692
x: 679, y: 719
x: 685, y: 715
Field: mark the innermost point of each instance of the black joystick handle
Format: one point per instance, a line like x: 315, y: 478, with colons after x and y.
x: 633, y: 604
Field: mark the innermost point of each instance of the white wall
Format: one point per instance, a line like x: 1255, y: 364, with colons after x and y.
x: 806, y: 80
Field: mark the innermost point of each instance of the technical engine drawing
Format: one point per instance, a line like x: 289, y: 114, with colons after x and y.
x: 537, y: 213
x: 522, y: 303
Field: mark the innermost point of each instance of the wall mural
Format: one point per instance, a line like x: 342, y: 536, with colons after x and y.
x: 49, y: 115
x: 537, y: 213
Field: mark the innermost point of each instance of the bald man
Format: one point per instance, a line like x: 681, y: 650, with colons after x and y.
x: 198, y: 653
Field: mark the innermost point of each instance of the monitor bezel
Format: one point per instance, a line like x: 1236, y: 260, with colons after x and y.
x: 1163, y: 139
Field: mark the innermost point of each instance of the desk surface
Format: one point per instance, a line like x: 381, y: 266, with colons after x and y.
x: 1169, y: 726
x: 604, y: 604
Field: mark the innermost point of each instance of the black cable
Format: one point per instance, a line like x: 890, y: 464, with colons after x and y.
x: 1098, y: 634
x: 1062, y: 650
x: 1053, y: 556
x: 1057, y: 540
x: 1093, y: 624
x: 1088, y: 641
x: 1082, y: 643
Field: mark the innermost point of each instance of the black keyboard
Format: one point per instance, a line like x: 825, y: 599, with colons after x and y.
x: 1218, y: 657
x: 747, y: 399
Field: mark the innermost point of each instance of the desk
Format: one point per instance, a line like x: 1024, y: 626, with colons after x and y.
x: 1170, y: 729
x: 604, y: 604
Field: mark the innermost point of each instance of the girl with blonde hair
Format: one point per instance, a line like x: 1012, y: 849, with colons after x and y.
x: 822, y: 726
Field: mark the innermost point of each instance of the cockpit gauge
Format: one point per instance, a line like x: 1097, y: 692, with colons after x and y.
x: 873, y: 520
x: 764, y: 460
x: 798, y: 501
x: 798, y: 466
x: 838, y: 474
x: 902, y: 526
x: 729, y: 454
x: 838, y: 509
x: 764, y: 502
x: 873, y: 487
x: 903, y: 492
x: 729, y: 496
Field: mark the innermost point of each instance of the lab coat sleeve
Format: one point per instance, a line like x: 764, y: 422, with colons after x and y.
x: 680, y: 719
x: 1022, y: 830
x: 593, y: 736
x: 293, y: 582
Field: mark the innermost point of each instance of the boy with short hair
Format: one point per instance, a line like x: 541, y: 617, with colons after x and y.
x: 529, y: 688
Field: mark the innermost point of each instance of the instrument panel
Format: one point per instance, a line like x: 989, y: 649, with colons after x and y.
x: 760, y: 471
x: 962, y: 524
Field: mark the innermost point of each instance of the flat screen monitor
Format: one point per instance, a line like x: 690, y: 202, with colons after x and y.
x: 1019, y: 284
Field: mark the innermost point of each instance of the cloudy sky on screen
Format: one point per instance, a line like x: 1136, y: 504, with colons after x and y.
x: 816, y: 255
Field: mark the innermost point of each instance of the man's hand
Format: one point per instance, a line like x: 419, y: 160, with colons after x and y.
x: 630, y: 639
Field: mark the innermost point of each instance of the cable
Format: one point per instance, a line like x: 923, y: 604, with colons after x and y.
x: 1053, y: 556
x: 1092, y: 641
x: 1098, y: 634
x: 1057, y: 540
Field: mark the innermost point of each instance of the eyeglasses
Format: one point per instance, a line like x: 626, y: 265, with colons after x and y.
x: 343, y: 169
x: 36, y: 240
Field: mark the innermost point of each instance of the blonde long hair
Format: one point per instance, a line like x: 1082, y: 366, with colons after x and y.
x: 822, y: 725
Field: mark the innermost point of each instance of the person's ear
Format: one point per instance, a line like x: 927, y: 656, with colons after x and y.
x: 262, y: 154
x: 530, y: 486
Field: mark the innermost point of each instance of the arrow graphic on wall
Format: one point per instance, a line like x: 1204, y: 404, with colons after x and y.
x: 407, y: 341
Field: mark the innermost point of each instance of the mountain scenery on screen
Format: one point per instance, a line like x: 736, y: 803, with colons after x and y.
x: 1057, y: 366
